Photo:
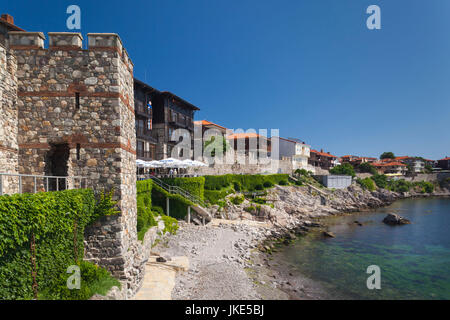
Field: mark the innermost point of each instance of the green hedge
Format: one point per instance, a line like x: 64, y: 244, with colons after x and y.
x: 214, y: 196
x: 54, y: 219
x: 218, y: 187
x: 402, y: 185
x: 178, y: 204
x: 194, y: 185
x: 247, y: 182
x: 147, y: 212
x: 145, y: 216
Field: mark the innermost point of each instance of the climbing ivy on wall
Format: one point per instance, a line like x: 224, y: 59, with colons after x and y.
x: 41, y: 235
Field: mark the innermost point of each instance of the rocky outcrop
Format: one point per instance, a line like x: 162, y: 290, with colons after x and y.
x: 395, y: 219
x: 291, y: 208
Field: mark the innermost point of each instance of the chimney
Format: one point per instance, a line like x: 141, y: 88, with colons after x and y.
x: 6, y: 17
x: 321, y: 150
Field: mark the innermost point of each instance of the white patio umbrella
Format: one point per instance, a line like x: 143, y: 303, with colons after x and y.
x: 193, y: 163
x: 199, y: 164
x: 153, y: 164
x: 171, y: 163
x: 140, y: 163
x: 188, y: 162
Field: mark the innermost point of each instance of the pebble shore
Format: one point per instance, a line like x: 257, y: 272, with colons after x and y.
x: 230, y: 258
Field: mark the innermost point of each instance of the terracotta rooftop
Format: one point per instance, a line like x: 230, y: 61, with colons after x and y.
x: 8, y: 21
x: 389, y: 164
x: 244, y: 135
x: 208, y: 123
x: 323, y: 153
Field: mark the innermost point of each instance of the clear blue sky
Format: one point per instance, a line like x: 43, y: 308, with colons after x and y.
x: 308, y: 67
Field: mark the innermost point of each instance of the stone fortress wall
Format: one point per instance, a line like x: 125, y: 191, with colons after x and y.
x: 74, y: 116
x: 8, y: 118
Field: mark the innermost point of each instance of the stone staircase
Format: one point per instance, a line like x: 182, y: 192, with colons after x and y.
x: 199, y: 205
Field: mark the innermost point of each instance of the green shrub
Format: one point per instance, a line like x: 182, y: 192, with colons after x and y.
x: 55, y: 219
x: 237, y: 186
x: 259, y: 187
x: 268, y: 184
x: 94, y: 280
x: 250, y: 209
x: 343, y: 169
x: 380, y: 180
x: 171, y: 224
x: 237, y: 200
x: 367, y: 183
x: 259, y: 200
x: 302, y: 172
x: 221, y: 203
x: 426, y: 187
x: 157, y: 209
x: 283, y: 183
x: 399, y: 185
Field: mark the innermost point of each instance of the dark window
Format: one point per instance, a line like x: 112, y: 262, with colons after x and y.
x: 77, y: 100
x: 78, y: 151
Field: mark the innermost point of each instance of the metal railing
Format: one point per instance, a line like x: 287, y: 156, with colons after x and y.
x: 174, y: 190
x: 11, y: 183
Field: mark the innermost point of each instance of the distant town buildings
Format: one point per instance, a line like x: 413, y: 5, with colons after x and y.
x: 356, y: 160
x: 444, y: 163
x: 294, y: 150
x: 416, y: 164
x: 158, y: 115
x: 390, y: 167
x: 253, y: 145
x: 323, y: 160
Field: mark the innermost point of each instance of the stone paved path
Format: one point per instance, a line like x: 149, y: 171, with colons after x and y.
x: 159, y: 279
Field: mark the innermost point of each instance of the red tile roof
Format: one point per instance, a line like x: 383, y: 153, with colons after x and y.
x: 323, y: 153
x: 389, y: 164
x: 244, y: 135
x: 445, y: 159
x: 208, y: 123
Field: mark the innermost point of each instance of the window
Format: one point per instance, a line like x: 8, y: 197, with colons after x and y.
x: 77, y: 100
x: 78, y: 151
x: 140, y: 148
x: 152, y: 151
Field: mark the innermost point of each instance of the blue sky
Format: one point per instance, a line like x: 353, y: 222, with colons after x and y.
x: 308, y: 67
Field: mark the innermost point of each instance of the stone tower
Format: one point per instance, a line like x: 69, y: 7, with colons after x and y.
x: 8, y: 118
x: 76, y: 118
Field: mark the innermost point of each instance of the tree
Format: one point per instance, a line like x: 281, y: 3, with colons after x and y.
x: 428, y: 168
x: 220, y: 144
x: 387, y: 155
x: 343, y: 169
x: 367, y: 167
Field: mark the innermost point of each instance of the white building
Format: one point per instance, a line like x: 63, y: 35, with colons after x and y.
x: 296, y: 151
x: 416, y: 164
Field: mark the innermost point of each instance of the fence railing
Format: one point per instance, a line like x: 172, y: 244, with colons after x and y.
x: 11, y: 183
x: 174, y: 190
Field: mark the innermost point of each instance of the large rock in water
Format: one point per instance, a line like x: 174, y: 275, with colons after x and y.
x: 395, y: 219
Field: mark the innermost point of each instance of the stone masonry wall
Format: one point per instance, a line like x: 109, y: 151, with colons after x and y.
x: 8, y: 120
x: 100, y: 131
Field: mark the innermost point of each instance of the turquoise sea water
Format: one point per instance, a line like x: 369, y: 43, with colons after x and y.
x: 414, y: 259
